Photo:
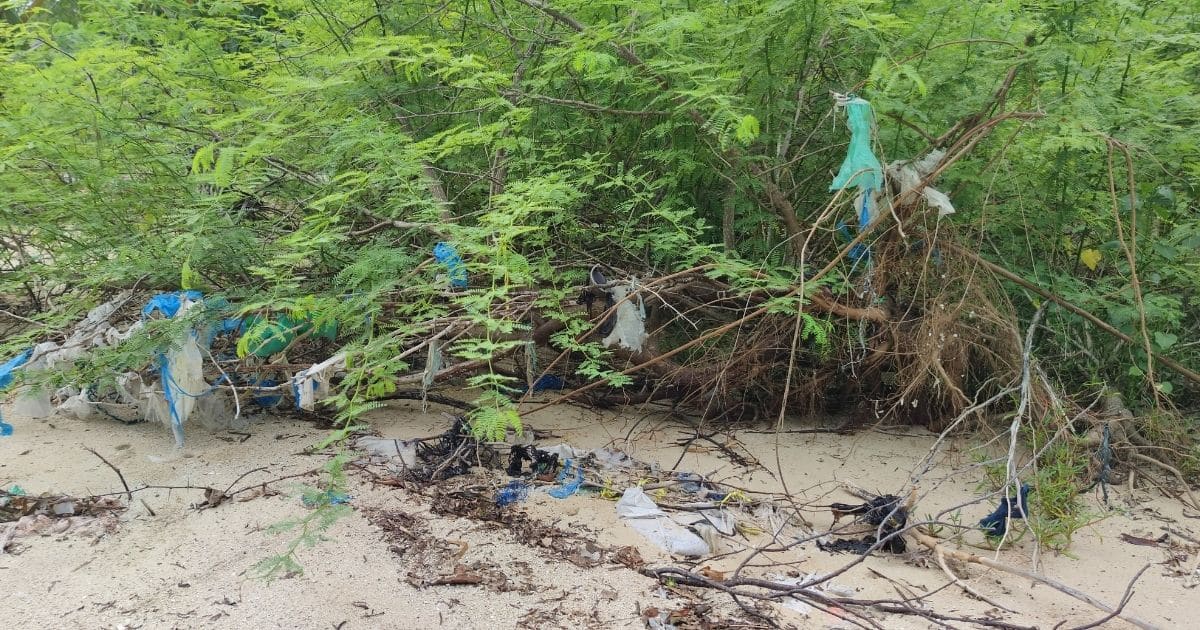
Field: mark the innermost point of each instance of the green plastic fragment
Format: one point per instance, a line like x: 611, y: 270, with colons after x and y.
x: 860, y: 168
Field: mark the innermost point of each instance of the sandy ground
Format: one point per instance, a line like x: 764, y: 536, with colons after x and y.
x: 179, y: 567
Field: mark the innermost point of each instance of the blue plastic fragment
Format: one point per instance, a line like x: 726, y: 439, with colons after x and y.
x: 547, y: 382
x: 515, y: 492
x: 267, y: 400
x: 329, y: 496
x: 447, y: 255
x: 690, y: 482
x: 6, y: 378
x: 567, y: 488
x: 6, y: 370
x: 169, y: 303
x: 996, y: 523
x: 859, y: 251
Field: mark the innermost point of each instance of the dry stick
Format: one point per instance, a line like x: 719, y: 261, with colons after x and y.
x: 23, y: 319
x: 941, y: 560
x: 1130, y: 249
x: 1173, y: 470
x: 237, y: 403
x: 1099, y: 323
x: 1120, y: 607
x: 128, y: 492
x: 1015, y: 427
x: 962, y: 556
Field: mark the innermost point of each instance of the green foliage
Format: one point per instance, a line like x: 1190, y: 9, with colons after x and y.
x: 309, y: 528
x: 303, y: 158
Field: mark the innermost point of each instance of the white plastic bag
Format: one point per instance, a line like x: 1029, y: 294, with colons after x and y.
x: 639, y: 512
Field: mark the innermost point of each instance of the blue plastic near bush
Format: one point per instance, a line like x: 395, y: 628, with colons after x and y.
x: 169, y: 303
x: 859, y: 251
x: 567, y: 487
x: 996, y: 523
x: 6, y: 370
x: 515, y: 492
x: 447, y: 255
x: 6, y: 378
x: 267, y: 400
x: 329, y: 496
x: 547, y: 382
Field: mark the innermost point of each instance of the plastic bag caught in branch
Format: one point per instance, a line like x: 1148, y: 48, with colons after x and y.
x: 861, y: 168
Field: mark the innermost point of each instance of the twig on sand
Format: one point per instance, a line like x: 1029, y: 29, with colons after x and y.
x: 840, y: 607
x: 1175, y: 471
x: 1120, y: 607
x: 962, y: 556
x: 128, y: 492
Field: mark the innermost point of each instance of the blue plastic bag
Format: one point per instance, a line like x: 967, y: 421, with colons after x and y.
x: 567, y: 488
x: 169, y: 303
x: 515, y: 492
x: 6, y: 378
x: 447, y: 255
x: 546, y: 382
x: 6, y: 370
x: 996, y: 523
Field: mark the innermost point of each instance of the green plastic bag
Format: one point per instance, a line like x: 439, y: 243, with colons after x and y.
x: 265, y: 337
x: 861, y: 168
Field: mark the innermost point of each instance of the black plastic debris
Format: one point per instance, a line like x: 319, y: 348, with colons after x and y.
x: 884, y: 512
x: 996, y: 523
x: 595, y: 290
x: 451, y: 454
x: 541, y: 462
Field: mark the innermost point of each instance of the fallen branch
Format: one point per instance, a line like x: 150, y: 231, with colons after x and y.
x: 1173, y: 470
x: 128, y: 492
x: 934, y: 545
x: 1120, y: 607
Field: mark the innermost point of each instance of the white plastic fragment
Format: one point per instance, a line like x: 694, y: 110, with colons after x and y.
x: 611, y: 459
x: 938, y: 199
x: 566, y: 451
x: 312, y: 385
x: 630, y: 329
x: 909, y: 175
x: 400, y: 452
x: 721, y: 520
x: 639, y: 512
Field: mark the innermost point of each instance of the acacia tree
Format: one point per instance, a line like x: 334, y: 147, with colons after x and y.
x: 306, y: 155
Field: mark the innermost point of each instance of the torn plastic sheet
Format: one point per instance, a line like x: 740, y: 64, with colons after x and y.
x: 402, y: 453
x: 181, y: 373
x: 638, y: 511
x: 630, y: 328
x: 909, y: 175
x: 312, y: 385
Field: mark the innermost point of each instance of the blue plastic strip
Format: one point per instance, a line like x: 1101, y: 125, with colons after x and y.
x: 567, y: 488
